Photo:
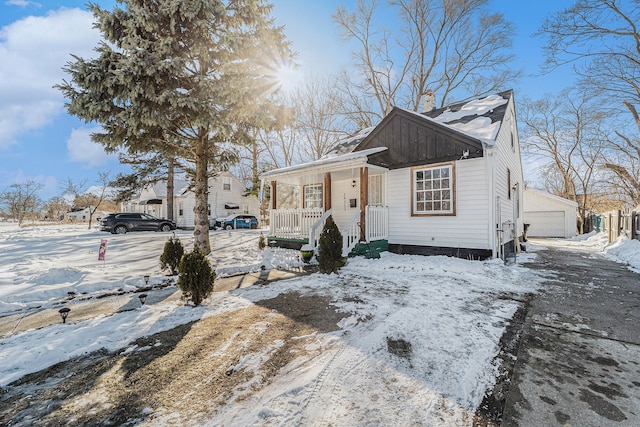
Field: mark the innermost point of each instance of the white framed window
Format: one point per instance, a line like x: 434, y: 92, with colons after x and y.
x: 376, y: 190
x: 433, y: 189
x: 226, y: 183
x: 313, y: 196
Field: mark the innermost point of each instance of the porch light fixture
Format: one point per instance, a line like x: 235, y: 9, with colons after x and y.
x: 353, y: 183
x: 143, y: 298
x: 64, y: 312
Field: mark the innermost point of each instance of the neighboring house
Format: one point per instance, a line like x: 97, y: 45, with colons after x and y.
x: 446, y: 181
x: 226, y: 196
x: 549, y: 215
x: 152, y: 199
x: 82, y: 214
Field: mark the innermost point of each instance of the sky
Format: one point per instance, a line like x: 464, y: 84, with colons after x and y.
x: 39, y: 141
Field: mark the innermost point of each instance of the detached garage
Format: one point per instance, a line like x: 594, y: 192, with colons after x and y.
x: 549, y: 215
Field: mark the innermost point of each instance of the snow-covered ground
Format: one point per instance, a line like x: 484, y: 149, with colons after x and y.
x: 452, y: 311
x: 41, y: 264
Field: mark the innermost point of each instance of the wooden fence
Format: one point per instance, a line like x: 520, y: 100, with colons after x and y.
x: 619, y: 223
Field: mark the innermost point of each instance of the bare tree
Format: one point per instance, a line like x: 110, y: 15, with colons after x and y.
x: 21, y: 199
x: 600, y: 38
x: 317, y: 122
x: 56, y: 207
x: 568, y: 132
x: 91, y: 198
x: 450, y: 47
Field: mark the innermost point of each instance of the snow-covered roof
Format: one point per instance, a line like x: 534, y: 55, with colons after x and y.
x: 347, y: 145
x: 326, y: 161
x: 479, y: 118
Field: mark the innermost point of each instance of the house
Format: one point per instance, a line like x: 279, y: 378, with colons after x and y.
x: 83, y: 214
x: 152, y: 199
x: 226, y: 196
x: 549, y: 215
x: 445, y: 181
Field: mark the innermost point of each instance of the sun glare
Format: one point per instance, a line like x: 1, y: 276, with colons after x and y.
x: 288, y: 77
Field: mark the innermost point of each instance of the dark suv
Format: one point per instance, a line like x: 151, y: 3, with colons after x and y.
x: 120, y: 223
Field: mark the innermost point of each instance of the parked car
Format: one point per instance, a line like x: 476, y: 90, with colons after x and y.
x: 235, y: 221
x: 123, y: 222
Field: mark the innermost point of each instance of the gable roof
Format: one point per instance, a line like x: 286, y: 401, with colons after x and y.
x: 406, y: 138
x: 455, y: 132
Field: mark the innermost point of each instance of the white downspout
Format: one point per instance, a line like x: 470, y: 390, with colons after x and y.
x: 490, y: 165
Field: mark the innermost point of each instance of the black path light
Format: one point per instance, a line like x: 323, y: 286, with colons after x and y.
x: 143, y: 298
x: 146, y: 280
x: 64, y: 312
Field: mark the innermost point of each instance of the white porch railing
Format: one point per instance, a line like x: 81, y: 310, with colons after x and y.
x: 293, y: 223
x: 351, y: 234
x: 316, y: 229
x: 377, y: 223
x: 307, y: 224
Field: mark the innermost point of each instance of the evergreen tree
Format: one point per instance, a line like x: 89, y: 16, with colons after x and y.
x: 172, y: 254
x: 196, y: 277
x: 179, y: 76
x: 330, y: 258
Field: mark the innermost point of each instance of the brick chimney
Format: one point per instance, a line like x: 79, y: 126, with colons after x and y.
x: 428, y: 101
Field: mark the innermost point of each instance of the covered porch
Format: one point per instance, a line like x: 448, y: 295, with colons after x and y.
x: 345, y: 187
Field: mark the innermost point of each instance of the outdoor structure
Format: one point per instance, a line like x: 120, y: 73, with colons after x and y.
x: 445, y: 181
x: 82, y: 214
x: 549, y: 215
x: 226, y: 196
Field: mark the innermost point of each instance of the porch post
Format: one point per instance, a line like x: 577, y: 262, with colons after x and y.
x: 274, y: 192
x: 364, y: 201
x: 326, y: 193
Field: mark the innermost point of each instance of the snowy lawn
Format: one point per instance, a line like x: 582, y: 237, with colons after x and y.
x: 40, y: 265
x: 417, y: 344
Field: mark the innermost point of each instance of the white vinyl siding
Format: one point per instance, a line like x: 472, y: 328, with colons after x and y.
x: 469, y: 228
x: 508, y: 171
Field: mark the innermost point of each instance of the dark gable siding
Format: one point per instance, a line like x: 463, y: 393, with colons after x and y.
x: 412, y: 142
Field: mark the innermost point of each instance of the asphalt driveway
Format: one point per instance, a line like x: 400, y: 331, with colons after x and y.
x: 578, y: 363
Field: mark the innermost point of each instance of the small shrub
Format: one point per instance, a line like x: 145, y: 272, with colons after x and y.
x: 262, y: 242
x: 196, y: 277
x: 172, y: 254
x: 330, y: 258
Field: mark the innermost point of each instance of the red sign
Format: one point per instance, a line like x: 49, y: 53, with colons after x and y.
x: 103, y: 250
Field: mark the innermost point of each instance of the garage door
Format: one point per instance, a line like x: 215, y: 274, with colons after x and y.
x: 545, y: 224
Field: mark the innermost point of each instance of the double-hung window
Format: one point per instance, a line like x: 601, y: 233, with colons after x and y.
x: 433, y: 189
x: 313, y: 196
x: 226, y: 183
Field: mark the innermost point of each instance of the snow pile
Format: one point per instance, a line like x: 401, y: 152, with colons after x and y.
x: 626, y: 251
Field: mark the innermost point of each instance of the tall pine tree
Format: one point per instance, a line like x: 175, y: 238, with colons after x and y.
x: 178, y: 76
